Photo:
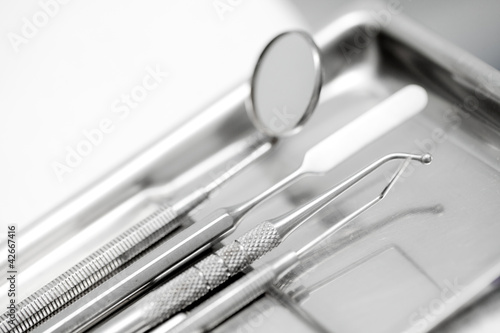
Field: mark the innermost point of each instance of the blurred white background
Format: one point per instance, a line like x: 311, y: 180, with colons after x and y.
x: 472, y: 25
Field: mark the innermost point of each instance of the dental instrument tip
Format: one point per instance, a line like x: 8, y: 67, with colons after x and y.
x: 426, y: 159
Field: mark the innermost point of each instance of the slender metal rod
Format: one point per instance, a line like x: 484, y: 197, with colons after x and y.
x: 215, y: 269
x: 305, y: 249
x: 231, y: 300
x: 288, y: 223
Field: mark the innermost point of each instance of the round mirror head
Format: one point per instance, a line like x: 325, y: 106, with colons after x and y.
x: 286, y: 84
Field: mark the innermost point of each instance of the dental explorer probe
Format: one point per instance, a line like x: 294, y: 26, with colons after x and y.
x: 160, y: 262
x: 232, y: 299
x: 113, y: 256
x: 218, y: 267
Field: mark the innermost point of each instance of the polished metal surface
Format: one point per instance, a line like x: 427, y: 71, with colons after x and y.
x: 286, y: 84
x: 481, y: 316
x: 408, y: 265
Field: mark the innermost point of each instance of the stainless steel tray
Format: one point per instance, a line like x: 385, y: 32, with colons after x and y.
x: 409, y: 263
x: 431, y: 247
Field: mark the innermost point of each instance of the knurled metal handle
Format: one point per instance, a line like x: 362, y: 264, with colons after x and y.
x: 209, y: 273
x: 91, y: 271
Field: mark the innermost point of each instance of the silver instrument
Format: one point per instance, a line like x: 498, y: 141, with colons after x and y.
x: 217, y: 268
x: 232, y: 299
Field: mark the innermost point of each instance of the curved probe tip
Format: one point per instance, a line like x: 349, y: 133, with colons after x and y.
x: 426, y: 159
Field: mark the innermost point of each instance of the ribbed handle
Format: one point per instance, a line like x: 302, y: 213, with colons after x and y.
x: 91, y: 271
x: 209, y: 273
x: 224, y: 304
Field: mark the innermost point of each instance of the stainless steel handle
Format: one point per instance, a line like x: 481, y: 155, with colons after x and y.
x: 233, y: 298
x: 210, y: 273
x: 92, y: 270
x: 136, y: 278
x: 198, y: 280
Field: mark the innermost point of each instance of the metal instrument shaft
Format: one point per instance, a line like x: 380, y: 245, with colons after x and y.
x: 229, y: 301
x: 217, y: 268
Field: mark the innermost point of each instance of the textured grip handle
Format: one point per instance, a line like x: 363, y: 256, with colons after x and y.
x: 209, y: 273
x: 224, y: 304
x: 90, y: 272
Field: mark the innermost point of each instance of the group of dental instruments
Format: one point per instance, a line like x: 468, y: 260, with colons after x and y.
x: 146, y: 256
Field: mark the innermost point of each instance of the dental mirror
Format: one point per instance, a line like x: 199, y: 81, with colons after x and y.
x: 286, y: 84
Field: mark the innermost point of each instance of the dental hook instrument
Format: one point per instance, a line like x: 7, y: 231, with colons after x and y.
x: 217, y: 268
x: 143, y: 274
x: 229, y: 301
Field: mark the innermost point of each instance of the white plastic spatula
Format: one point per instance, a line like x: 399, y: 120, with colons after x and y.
x: 363, y: 130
